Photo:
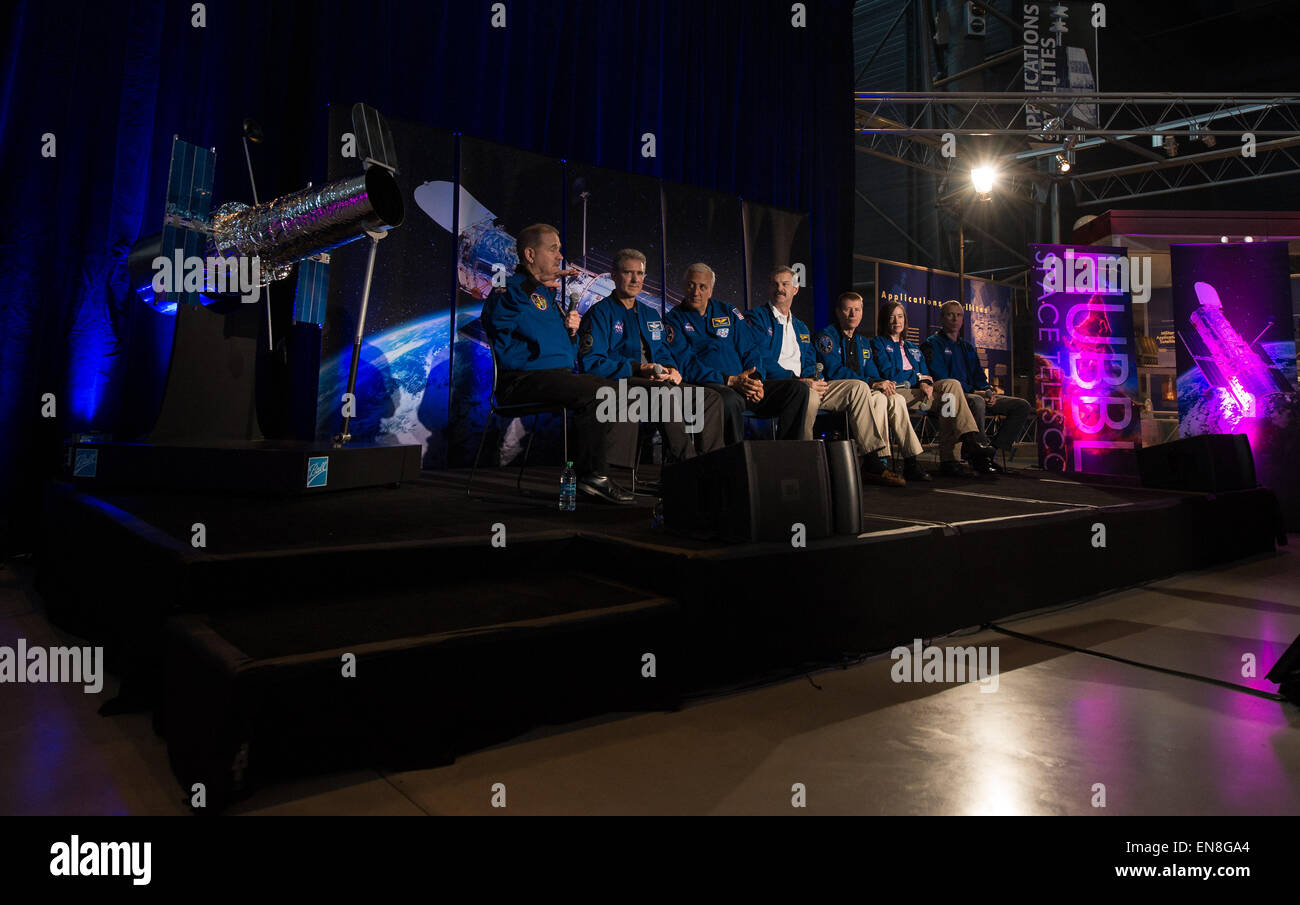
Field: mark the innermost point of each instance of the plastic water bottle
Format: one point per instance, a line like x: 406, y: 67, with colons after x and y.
x: 568, y: 488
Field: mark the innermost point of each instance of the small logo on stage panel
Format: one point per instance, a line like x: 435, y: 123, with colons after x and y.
x: 318, y: 470
x: 87, y: 463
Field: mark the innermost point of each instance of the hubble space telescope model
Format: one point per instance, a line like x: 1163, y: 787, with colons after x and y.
x: 210, y: 385
x: 1244, y: 369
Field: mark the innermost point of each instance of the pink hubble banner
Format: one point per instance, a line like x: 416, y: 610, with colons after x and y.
x: 1085, y: 359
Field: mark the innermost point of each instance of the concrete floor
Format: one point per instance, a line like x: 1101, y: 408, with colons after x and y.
x: 1059, y: 727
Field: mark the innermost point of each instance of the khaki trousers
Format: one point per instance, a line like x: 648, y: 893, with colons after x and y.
x: 955, y: 418
x: 868, y: 419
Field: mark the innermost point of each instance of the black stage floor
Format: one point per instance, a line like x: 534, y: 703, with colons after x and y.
x: 242, y: 645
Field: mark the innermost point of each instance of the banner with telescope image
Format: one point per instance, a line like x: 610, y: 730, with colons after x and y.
x: 404, y: 369
x: 987, y: 326
x: 1085, y: 360
x: 1237, y: 354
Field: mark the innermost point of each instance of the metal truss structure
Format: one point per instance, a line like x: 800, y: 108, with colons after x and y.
x: 1244, y: 136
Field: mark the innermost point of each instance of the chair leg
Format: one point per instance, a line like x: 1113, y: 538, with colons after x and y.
x: 478, y: 455
x: 519, y: 481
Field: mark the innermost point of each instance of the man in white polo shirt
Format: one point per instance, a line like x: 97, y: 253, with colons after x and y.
x: 788, y: 353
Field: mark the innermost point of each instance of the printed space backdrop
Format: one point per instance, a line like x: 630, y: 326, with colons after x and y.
x: 426, y: 367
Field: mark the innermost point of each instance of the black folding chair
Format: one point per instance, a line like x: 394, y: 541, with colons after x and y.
x: 747, y: 415
x: 518, y: 410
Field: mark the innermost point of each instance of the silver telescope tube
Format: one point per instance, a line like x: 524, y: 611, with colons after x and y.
x: 305, y: 223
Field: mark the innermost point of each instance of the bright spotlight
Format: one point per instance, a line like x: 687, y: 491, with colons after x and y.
x: 1250, y: 238
x: 982, y: 179
x: 1223, y: 238
x: 1062, y: 163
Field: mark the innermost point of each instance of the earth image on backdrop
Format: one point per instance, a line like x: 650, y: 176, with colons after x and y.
x: 403, y: 384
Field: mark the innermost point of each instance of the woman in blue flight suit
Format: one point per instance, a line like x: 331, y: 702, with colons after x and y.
x: 903, y: 370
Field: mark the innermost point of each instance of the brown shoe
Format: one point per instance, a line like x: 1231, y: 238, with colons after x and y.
x: 887, y: 478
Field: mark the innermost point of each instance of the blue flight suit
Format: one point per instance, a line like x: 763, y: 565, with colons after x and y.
x: 889, y: 360
x: 956, y: 359
x: 960, y: 425
x: 535, y: 357
x: 852, y: 358
x: 767, y: 333
x: 526, y: 326
x: 714, y: 345
x: 959, y: 360
x: 719, y: 344
x: 845, y: 357
x: 609, y: 340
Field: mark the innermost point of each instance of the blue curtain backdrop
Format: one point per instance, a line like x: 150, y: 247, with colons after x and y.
x: 737, y: 98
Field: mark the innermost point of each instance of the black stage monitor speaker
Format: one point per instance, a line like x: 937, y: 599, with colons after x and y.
x: 1210, y: 462
x: 846, y: 486
x: 751, y: 491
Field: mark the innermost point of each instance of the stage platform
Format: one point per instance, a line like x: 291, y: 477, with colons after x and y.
x: 402, y: 626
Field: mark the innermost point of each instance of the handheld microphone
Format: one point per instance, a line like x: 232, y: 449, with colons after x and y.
x: 817, y: 375
x: 659, y: 369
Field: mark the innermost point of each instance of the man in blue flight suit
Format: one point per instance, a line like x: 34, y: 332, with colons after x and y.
x: 951, y: 356
x: 846, y: 356
x: 535, y: 344
x: 623, y: 339
x: 787, y: 348
x: 903, y: 371
x: 716, y: 348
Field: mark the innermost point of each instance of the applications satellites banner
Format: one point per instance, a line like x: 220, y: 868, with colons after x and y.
x: 922, y: 292
x: 1237, y: 354
x: 1085, y: 360
x: 988, y: 327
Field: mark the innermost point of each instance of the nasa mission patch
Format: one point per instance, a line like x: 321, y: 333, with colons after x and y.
x: 824, y: 343
x: 539, y: 300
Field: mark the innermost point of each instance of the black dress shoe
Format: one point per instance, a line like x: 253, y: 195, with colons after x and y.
x: 955, y: 469
x: 603, y: 487
x: 983, y: 465
x: 972, y: 449
x: 913, y: 471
